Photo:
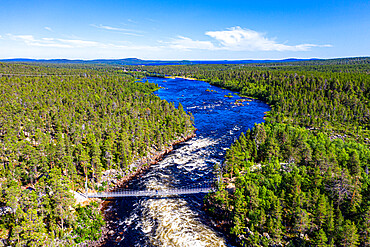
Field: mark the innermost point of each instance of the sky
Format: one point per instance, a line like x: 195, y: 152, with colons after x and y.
x: 184, y: 29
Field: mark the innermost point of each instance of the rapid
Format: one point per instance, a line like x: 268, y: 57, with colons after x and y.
x: 180, y: 221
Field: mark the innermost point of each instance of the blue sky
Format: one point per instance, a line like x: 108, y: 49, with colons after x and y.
x: 177, y: 29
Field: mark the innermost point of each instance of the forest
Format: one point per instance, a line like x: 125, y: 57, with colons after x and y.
x: 299, y: 179
x: 63, y: 125
x: 302, y: 177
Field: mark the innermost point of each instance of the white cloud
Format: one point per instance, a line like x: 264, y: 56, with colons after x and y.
x: 122, y: 30
x: 48, y: 39
x: 132, y: 21
x: 79, y: 43
x: 152, y: 20
x: 185, y: 43
x: 216, y: 44
x: 52, y: 42
x: 49, y: 29
x: 30, y: 40
x: 238, y: 39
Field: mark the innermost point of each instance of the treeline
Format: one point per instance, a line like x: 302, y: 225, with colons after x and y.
x: 301, y: 178
x: 55, y: 131
x: 347, y: 65
x: 48, y: 69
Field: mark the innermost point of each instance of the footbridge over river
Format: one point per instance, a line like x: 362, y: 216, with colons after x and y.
x: 152, y: 193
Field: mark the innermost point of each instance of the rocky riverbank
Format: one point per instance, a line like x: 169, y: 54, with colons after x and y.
x: 107, y: 206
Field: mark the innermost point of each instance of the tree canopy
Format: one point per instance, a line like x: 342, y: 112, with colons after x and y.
x: 61, y: 125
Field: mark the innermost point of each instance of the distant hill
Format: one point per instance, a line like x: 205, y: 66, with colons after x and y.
x: 136, y: 61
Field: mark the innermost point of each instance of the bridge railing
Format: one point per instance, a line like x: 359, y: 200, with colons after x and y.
x: 151, y: 192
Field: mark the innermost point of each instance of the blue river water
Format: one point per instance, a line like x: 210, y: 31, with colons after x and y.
x: 179, y: 221
x: 214, y: 114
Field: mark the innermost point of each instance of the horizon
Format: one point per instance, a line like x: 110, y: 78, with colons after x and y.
x: 177, y: 60
x: 243, y: 61
x: 184, y: 30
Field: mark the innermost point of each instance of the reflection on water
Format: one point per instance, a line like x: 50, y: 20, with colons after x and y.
x: 179, y: 221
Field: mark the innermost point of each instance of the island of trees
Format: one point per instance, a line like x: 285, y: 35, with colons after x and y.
x: 302, y: 177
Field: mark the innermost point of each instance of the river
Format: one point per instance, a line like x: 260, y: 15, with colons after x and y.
x: 179, y: 221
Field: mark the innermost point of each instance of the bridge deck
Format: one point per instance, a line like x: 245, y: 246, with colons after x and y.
x: 148, y: 193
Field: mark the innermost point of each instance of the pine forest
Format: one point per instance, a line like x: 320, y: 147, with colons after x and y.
x: 302, y: 177
x: 61, y: 126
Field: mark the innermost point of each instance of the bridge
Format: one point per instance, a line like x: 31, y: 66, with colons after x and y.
x: 150, y: 193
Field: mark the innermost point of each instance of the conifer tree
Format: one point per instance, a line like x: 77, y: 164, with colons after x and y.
x: 350, y: 236
x: 320, y: 239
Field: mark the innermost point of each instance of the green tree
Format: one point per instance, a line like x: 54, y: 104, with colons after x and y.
x: 350, y: 236
x: 320, y: 239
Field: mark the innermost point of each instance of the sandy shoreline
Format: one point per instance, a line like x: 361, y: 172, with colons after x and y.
x: 180, y: 77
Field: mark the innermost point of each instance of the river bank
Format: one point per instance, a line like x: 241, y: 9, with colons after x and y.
x: 171, y: 77
x: 181, y: 221
x: 181, y: 77
x: 107, y: 206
